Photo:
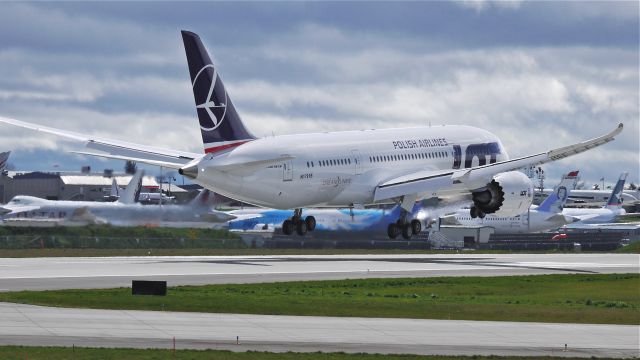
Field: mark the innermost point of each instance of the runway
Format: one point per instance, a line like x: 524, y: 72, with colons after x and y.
x: 43, y: 326
x: 105, y: 272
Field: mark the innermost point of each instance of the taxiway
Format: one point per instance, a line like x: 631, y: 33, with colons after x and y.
x: 106, y: 272
x: 44, y: 326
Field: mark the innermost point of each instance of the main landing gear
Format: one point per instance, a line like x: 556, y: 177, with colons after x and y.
x: 474, y: 212
x: 404, y: 227
x: 298, y: 224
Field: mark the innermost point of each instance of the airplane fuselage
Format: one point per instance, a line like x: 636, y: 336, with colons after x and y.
x: 594, y: 216
x: 529, y: 222
x: 343, y: 168
x: 113, y: 213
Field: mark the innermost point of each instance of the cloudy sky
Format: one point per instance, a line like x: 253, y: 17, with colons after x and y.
x: 539, y: 75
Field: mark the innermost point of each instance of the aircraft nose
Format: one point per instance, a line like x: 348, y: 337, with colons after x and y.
x: 189, y: 171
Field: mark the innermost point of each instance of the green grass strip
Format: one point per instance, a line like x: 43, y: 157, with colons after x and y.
x: 581, y: 298
x: 62, y: 353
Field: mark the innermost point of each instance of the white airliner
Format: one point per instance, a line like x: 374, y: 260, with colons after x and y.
x: 336, y: 169
x: 606, y: 214
x: 33, y: 211
x: 548, y: 215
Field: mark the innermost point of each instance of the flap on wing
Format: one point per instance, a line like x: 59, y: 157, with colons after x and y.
x: 414, y: 183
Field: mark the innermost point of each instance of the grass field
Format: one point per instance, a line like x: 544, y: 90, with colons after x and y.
x: 632, y: 248
x: 606, y: 299
x: 60, y: 353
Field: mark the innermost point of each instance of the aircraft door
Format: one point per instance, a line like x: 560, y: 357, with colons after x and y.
x: 287, y: 171
x: 355, y: 155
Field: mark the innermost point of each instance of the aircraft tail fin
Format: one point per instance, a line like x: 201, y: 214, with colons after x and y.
x: 3, y: 159
x: 558, y: 198
x: 205, y: 198
x: 220, y: 124
x: 115, y: 190
x: 131, y: 193
x: 615, y: 200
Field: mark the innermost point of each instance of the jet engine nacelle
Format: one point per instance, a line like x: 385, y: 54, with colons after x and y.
x: 508, y: 194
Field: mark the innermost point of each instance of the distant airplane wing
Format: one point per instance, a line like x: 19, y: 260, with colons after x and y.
x: 585, y: 217
x: 566, y: 219
x: 122, y: 149
x: 17, y: 209
x: 465, y: 180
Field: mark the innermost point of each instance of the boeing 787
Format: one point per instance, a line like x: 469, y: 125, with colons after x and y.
x: 336, y: 169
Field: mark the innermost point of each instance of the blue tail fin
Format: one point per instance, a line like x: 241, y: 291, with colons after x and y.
x: 220, y: 124
x: 615, y: 200
x: 558, y: 198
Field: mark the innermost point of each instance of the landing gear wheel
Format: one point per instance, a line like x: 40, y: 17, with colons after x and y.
x: 311, y: 223
x: 407, y: 231
x: 416, y: 226
x: 393, y: 231
x: 301, y: 228
x: 473, y: 212
x: 287, y: 227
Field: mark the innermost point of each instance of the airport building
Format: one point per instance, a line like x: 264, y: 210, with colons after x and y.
x: 78, y: 186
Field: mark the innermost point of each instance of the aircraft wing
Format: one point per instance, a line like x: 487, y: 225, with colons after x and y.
x: 566, y: 219
x: 17, y: 209
x: 585, y: 217
x: 122, y: 149
x: 465, y: 180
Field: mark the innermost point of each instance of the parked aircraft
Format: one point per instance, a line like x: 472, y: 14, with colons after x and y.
x: 336, y: 169
x: 606, y: 214
x: 548, y: 215
x: 593, y: 197
x: 363, y: 221
x: 33, y: 211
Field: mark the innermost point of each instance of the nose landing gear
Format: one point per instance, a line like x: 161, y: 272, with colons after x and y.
x: 298, y: 224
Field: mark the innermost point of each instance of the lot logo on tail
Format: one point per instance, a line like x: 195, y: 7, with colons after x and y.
x: 214, y: 107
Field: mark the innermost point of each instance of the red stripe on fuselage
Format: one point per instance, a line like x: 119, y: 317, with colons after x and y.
x: 224, y: 147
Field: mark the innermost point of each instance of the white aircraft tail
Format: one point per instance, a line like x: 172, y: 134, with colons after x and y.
x: 131, y: 193
x: 3, y: 160
x: 558, y: 198
x: 615, y: 200
x: 115, y: 190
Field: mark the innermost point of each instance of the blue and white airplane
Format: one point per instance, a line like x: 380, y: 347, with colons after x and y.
x: 336, y: 169
x: 373, y: 221
x: 604, y: 215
